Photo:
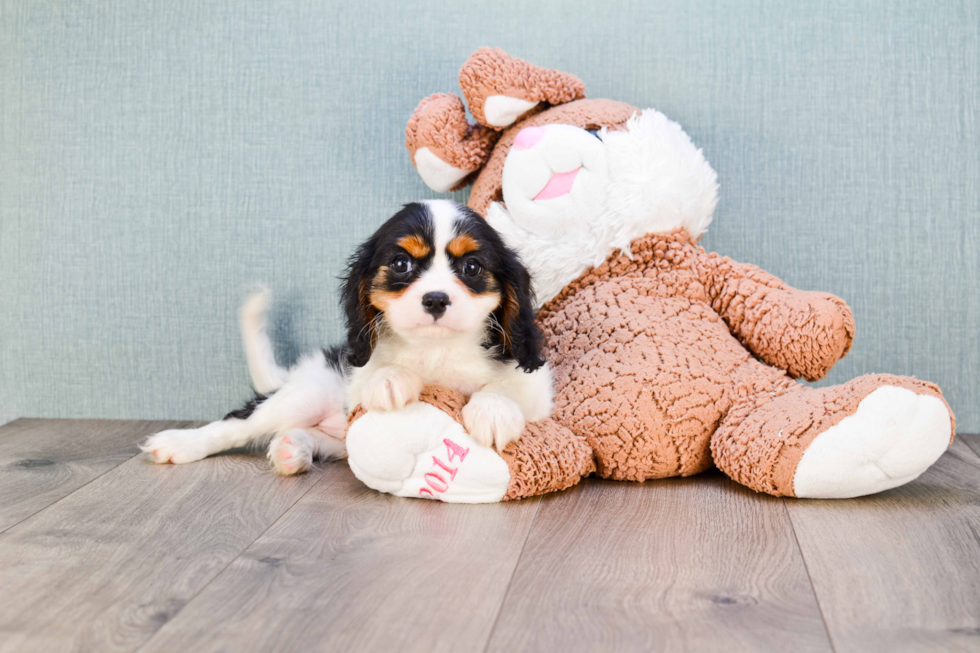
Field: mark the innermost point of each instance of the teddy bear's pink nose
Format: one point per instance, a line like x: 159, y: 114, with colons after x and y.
x: 528, y: 138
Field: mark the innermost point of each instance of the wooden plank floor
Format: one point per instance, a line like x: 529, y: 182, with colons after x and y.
x: 101, y: 550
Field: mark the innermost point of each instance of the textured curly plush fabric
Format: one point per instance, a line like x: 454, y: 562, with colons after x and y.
x: 491, y: 71
x: 547, y: 458
x: 439, y: 123
x: 654, y: 365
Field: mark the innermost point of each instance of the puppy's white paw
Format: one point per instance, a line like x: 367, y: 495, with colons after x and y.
x: 493, y: 419
x: 176, y: 446
x: 391, y: 388
x: 291, y: 452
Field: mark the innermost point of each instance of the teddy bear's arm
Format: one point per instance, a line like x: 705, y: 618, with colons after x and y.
x: 802, y: 332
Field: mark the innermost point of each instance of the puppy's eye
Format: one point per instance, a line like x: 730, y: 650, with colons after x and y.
x: 401, y: 265
x: 472, y: 268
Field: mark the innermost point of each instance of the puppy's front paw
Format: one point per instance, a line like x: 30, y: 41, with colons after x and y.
x: 391, y: 388
x: 493, y: 419
x: 175, y: 446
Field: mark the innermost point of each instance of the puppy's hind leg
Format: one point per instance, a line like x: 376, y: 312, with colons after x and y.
x: 258, y: 419
x: 187, y: 445
x: 293, y: 451
x: 311, y: 400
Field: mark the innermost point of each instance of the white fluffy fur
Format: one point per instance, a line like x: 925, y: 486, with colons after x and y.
x: 647, y: 179
x: 266, y: 375
x: 492, y: 417
x: 506, y: 396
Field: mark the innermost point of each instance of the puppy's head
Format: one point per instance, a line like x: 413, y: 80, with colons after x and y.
x: 435, y: 270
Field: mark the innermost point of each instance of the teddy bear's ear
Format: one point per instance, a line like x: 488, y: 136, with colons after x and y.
x: 500, y: 88
x: 445, y: 148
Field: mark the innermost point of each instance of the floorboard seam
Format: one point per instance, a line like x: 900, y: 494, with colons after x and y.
x: 230, y: 562
x: 91, y: 480
x: 806, y: 568
x: 513, y: 571
x: 60, y: 499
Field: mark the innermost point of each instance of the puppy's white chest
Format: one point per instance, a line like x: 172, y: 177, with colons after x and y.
x: 465, y: 368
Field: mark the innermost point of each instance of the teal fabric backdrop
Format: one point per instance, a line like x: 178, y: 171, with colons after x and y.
x: 157, y: 157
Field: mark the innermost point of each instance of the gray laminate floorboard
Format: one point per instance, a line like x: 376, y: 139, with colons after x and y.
x: 348, y: 569
x: 102, y: 569
x: 44, y: 460
x: 698, y: 564
x: 107, y: 552
x: 900, y: 571
x: 971, y: 440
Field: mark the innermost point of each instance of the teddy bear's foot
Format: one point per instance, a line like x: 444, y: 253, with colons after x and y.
x: 423, y: 451
x: 868, y: 435
x: 892, y: 437
x: 420, y: 451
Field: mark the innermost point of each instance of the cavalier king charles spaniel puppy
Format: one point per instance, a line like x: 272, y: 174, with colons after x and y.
x: 433, y: 297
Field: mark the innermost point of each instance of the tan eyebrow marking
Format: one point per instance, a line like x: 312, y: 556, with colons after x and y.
x: 414, y: 245
x: 463, y: 244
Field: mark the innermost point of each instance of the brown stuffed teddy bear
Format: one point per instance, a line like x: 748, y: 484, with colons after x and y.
x: 667, y: 359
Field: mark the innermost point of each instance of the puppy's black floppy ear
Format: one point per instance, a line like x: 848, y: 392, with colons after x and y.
x: 521, y: 338
x: 359, y: 312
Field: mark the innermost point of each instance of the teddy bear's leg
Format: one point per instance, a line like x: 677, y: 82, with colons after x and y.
x: 871, y: 434
x: 547, y: 458
x: 423, y: 451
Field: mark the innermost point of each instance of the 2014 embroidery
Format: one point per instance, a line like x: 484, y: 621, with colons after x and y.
x: 435, y: 480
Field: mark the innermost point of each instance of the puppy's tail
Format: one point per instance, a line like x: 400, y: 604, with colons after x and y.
x: 267, y: 376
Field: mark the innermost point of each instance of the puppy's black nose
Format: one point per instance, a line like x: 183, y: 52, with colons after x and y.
x: 435, y: 303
